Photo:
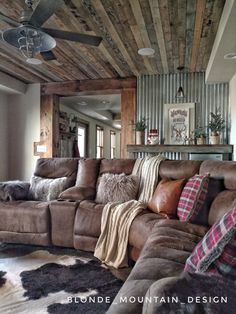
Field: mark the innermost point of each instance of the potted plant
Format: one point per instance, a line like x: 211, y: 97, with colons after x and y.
x: 140, y: 127
x: 200, y: 135
x: 216, y: 125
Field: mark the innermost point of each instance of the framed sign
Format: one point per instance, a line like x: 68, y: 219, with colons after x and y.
x: 179, y: 121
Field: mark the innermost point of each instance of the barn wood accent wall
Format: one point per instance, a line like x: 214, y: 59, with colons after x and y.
x: 50, y: 93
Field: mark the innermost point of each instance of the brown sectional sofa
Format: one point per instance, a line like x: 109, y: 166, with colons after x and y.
x: 160, y: 246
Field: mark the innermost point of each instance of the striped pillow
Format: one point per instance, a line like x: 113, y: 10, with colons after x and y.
x: 213, y: 244
x: 192, y: 197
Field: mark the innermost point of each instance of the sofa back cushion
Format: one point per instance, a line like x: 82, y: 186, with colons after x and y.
x: 179, y: 169
x: 116, y: 166
x: 223, y: 202
x: 87, y: 174
x: 53, y: 168
x: 224, y: 170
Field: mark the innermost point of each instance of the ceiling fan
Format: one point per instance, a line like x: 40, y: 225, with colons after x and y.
x: 32, y: 39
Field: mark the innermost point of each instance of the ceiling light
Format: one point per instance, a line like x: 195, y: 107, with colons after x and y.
x: 82, y: 103
x: 34, y: 61
x: 180, y: 91
x: 146, y: 51
x: 230, y: 56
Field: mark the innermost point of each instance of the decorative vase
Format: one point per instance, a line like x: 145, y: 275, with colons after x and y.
x: 139, y: 139
x: 201, y: 140
x: 214, y: 139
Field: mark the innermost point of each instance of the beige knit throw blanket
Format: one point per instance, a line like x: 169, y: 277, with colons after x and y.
x: 112, y: 244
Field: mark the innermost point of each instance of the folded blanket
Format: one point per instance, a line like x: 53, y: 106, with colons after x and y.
x: 112, y: 244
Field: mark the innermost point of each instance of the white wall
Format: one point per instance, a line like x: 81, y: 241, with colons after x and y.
x: 3, y: 137
x: 92, y: 133
x: 232, y: 101
x: 23, y: 130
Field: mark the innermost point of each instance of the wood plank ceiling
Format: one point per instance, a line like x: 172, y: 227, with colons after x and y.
x: 181, y: 32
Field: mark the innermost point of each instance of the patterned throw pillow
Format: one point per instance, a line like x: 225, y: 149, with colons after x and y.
x: 44, y: 189
x: 225, y: 264
x: 192, y: 197
x: 213, y: 244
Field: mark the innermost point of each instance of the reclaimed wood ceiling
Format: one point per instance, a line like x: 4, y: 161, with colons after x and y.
x: 181, y: 32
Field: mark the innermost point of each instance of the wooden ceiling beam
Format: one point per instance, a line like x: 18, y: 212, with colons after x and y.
x: 107, y: 47
x: 190, y: 21
x: 76, y: 87
x: 156, y: 16
x: 200, y: 9
x: 182, y: 8
x: 142, y: 31
x: 115, y: 36
x: 173, y: 11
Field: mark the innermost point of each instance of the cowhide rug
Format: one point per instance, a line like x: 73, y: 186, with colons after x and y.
x: 42, y: 282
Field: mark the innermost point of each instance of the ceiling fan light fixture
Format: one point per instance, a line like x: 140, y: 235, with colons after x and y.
x: 29, y: 40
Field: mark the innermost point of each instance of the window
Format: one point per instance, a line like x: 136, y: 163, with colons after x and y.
x: 82, y: 139
x: 99, y: 152
x: 113, y: 144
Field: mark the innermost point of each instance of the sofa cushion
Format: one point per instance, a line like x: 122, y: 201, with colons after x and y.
x: 166, y: 197
x: 88, y: 170
x: 193, y: 197
x: 78, y: 193
x: 179, y: 169
x: 24, y: 217
x: 88, y: 219
x: 213, y: 243
x: 57, y: 168
x: 117, y: 188
x: 116, y: 166
x: 44, y: 189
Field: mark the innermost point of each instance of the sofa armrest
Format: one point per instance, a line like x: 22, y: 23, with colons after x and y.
x: 14, y: 190
x: 77, y: 193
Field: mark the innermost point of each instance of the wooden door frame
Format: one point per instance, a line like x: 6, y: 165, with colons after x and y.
x: 49, y: 108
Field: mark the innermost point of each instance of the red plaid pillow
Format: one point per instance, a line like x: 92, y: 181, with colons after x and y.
x: 225, y: 264
x: 192, y: 197
x: 213, y: 243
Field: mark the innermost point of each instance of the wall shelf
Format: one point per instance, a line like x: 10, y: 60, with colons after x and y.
x: 183, y: 150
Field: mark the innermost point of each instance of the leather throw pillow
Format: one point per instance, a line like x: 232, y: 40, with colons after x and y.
x: 166, y: 197
x: 117, y: 188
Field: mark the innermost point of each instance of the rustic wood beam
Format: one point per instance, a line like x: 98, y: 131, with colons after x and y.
x: 76, y: 87
x: 107, y: 22
x: 141, y: 29
x: 190, y: 20
x: 49, y: 125
x: 200, y: 9
x: 156, y: 16
x: 128, y: 110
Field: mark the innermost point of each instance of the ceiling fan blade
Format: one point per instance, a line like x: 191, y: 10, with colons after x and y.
x: 44, y: 10
x: 9, y: 20
x: 48, y: 55
x: 82, y: 38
